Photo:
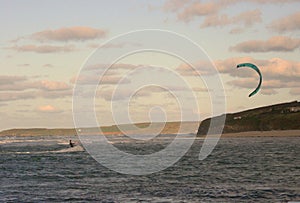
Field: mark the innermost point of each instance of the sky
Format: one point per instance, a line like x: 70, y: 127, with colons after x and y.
x: 141, y: 57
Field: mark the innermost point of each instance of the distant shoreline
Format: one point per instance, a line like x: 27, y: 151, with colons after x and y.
x: 138, y: 128
x: 274, y: 133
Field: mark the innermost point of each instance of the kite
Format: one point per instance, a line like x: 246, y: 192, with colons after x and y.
x: 257, y: 70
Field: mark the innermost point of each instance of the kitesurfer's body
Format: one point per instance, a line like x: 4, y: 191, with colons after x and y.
x: 72, y: 144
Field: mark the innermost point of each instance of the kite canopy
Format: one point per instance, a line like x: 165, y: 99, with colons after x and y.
x: 254, y: 67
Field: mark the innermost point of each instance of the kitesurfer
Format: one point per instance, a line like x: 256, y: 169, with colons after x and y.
x: 71, y: 143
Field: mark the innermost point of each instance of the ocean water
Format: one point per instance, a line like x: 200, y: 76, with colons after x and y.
x: 44, y: 169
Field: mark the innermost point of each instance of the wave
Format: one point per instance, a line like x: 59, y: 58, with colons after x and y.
x: 77, y: 148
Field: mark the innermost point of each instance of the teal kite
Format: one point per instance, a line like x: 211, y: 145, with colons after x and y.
x: 250, y: 65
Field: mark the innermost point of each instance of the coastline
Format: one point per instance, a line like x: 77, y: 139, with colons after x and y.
x: 275, y: 133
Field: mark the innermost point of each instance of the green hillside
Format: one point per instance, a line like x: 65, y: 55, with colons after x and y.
x: 285, y: 116
x: 169, y: 128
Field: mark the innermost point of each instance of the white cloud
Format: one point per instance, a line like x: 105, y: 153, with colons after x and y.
x: 277, y: 43
x: 248, y: 18
x: 295, y: 91
x: 199, y: 68
x: 21, y: 87
x: 43, y: 49
x: 12, y: 96
x: 287, y: 23
x: 48, y: 109
x: 77, y: 33
x: 197, y: 9
x: 53, y: 85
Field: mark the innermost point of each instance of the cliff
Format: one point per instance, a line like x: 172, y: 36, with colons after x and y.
x: 284, y: 116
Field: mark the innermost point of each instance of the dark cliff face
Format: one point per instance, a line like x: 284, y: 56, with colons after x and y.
x: 285, y: 116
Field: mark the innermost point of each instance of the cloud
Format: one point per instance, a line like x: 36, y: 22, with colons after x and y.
x: 11, y: 96
x: 114, y: 67
x: 33, y: 94
x: 110, y: 45
x: 53, y: 85
x: 251, y: 83
x: 282, y: 69
x: 114, y: 80
x: 113, y: 75
x: 48, y: 109
x: 227, y: 66
x: 288, y: 23
x: 21, y: 83
x: 273, y: 1
x: 277, y: 74
x: 236, y: 30
x: 125, y: 66
x: 3, y: 104
x: 48, y: 65
x: 201, y: 89
x: 24, y: 65
x: 248, y: 18
x: 11, y: 79
x: 197, y: 9
x: 21, y: 87
x: 274, y: 68
x: 174, y: 5
x: 107, y: 46
x: 144, y: 92
x: 54, y: 94
x: 43, y: 49
x: 111, y: 95
x: 216, y: 20
x: 78, y: 33
x: 95, y: 79
x: 187, y: 10
x: 16, y: 86
x: 276, y: 83
x: 277, y: 43
x: 268, y: 91
x: 199, y: 68
x: 295, y: 91
x: 278, y: 68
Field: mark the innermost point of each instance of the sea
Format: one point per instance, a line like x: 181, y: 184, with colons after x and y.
x: 251, y: 169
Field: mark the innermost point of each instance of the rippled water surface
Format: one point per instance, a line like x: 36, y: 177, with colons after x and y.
x: 44, y: 169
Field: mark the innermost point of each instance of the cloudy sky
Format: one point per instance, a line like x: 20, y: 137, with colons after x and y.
x: 45, y: 44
